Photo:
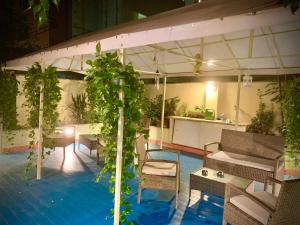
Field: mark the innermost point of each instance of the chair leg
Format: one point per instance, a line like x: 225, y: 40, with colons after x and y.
x: 139, y: 193
x: 177, y: 191
x: 176, y: 199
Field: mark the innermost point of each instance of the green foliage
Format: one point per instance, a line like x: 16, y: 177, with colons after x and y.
x: 34, y: 78
x: 293, y: 4
x: 79, y: 108
x: 8, y: 95
x: 154, y: 108
x: 40, y: 9
x: 103, y: 86
x: 263, y: 122
x: 291, y: 115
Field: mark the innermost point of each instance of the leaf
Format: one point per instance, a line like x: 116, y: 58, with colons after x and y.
x: 98, y: 49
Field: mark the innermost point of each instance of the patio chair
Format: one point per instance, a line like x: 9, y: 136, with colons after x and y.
x: 157, y: 173
x: 263, y: 208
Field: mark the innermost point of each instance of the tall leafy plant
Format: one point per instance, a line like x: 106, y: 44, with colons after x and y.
x: 79, y: 108
x: 154, y: 108
x: 263, y: 121
x: 34, y: 78
x: 291, y: 115
x: 8, y: 95
x: 103, y: 88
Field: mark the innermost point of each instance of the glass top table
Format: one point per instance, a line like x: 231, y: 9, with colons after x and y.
x: 214, y: 184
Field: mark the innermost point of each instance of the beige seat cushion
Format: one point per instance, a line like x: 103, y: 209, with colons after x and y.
x: 243, y: 160
x: 251, y: 208
x: 266, y: 197
x: 159, y: 168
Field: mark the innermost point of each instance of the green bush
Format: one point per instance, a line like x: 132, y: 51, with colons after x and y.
x: 263, y: 122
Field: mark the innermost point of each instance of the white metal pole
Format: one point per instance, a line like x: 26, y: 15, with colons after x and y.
x: 1, y: 132
x: 119, y: 151
x: 40, y: 134
x: 237, y: 105
x: 163, y: 112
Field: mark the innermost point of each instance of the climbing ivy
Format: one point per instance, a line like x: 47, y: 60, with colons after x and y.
x: 34, y: 77
x: 8, y: 95
x: 103, y: 88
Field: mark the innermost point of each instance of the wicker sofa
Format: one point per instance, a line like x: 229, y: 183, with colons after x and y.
x: 248, y: 155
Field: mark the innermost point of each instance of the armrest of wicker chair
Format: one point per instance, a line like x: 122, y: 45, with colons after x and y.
x: 208, y: 144
x: 165, y: 150
x: 231, y: 191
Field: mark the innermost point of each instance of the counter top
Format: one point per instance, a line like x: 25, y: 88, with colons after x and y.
x: 204, y: 120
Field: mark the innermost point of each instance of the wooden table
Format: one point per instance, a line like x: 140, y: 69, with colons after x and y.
x: 61, y: 140
x: 214, y: 184
x: 92, y: 143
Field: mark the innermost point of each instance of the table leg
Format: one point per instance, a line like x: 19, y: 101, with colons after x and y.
x: 74, y: 147
x: 97, y: 158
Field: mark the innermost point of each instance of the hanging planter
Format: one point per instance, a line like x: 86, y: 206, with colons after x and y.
x: 36, y: 81
x: 103, y: 87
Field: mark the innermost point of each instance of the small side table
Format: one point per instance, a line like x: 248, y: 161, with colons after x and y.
x: 214, y: 184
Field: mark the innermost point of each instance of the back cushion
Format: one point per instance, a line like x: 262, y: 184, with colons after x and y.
x: 259, y: 145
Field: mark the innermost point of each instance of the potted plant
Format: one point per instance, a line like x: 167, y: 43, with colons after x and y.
x: 154, y: 109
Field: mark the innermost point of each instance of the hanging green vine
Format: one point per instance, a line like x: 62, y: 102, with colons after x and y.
x: 8, y: 96
x: 103, y: 88
x: 41, y: 8
x: 291, y: 115
x: 34, y: 77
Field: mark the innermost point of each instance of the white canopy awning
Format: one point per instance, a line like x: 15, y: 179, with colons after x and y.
x: 265, y: 42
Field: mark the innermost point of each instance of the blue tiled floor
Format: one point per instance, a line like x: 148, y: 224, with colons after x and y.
x: 68, y: 194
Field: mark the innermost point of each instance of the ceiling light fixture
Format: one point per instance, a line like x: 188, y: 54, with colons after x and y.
x: 210, y: 62
x: 247, y: 81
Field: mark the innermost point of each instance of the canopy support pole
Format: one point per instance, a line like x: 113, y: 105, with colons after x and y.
x: 163, y: 112
x: 40, y: 133
x: 119, y: 150
x: 237, y: 105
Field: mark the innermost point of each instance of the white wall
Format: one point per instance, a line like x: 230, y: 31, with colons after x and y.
x: 193, y: 95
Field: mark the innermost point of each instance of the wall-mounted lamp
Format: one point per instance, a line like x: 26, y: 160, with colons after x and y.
x: 69, y: 130
x: 210, y: 88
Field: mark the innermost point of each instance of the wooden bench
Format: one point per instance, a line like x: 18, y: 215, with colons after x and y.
x: 249, y: 155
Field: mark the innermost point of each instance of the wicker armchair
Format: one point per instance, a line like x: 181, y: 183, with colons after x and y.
x: 263, y: 208
x: 157, y: 173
